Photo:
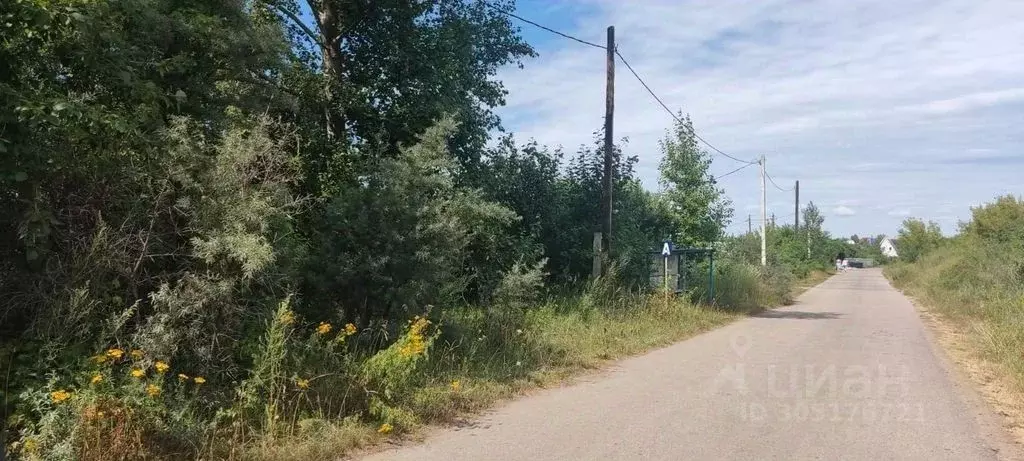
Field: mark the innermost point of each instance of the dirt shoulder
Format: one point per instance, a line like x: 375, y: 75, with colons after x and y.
x: 983, y: 383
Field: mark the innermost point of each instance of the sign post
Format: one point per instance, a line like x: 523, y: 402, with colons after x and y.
x: 666, y: 251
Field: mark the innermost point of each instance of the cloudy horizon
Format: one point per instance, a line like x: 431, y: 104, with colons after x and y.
x: 882, y: 110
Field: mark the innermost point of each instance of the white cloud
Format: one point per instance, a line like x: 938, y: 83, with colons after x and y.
x: 843, y: 210
x: 905, y: 105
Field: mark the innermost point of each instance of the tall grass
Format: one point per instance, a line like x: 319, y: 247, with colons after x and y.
x: 316, y: 390
x: 979, y: 285
x: 475, y: 362
x: 744, y: 287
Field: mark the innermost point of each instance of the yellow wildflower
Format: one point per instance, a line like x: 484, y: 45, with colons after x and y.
x: 324, y: 328
x: 182, y: 377
x: 138, y: 373
x: 161, y: 367
x: 350, y: 329
x: 456, y: 385
x: 137, y: 354
x: 31, y: 445
x: 200, y: 380
x: 115, y: 353
x: 302, y: 383
x: 96, y: 378
x: 153, y: 390
x: 59, y: 396
x: 385, y: 428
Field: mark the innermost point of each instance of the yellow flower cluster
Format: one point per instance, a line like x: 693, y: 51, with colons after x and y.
x: 302, y: 383
x: 137, y: 354
x: 415, y: 344
x: 59, y: 396
x: 456, y: 386
x: 161, y: 367
x: 350, y: 329
x: 153, y: 390
x: 96, y: 379
x: 323, y: 328
x: 385, y: 428
x: 138, y: 373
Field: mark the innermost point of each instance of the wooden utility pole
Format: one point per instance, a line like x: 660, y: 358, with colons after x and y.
x: 749, y: 228
x: 607, y: 180
x: 764, y: 246
x: 796, y: 207
x: 773, y: 220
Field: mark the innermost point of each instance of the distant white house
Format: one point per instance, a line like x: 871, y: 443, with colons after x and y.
x: 888, y: 248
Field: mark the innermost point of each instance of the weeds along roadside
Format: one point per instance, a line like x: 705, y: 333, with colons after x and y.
x: 315, y: 388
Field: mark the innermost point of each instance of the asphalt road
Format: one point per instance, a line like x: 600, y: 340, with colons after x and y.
x: 848, y: 372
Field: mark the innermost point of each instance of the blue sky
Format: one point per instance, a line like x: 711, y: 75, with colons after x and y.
x: 882, y: 109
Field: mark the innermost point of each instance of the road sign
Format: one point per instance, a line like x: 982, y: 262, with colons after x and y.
x: 666, y: 250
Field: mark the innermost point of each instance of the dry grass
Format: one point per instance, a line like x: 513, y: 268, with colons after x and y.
x: 972, y: 294
x: 319, y: 440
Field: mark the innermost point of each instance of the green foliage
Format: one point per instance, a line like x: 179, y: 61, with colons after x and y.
x: 976, y: 280
x: 268, y: 209
x: 917, y: 239
x: 698, y: 207
x: 401, y: 238
x: 998, y: 221
x: 797, y: 251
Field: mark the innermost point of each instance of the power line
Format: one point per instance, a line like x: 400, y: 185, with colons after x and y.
x: 738, y: 169
x: 631, y: 70
x: 776, y: 185
x: 553, y: 31
x: 673, y: 114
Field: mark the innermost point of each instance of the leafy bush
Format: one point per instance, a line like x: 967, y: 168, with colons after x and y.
x: 977, y: 281
x: 1000, y: 221
x: 746, y: 287
x: 917, y: 239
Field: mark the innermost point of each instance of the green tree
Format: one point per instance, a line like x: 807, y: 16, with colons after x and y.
x: 379, y: 73
x: 917, y: 238
x: 699, y: 207
x: 402, y: 238
x: 999, y: 221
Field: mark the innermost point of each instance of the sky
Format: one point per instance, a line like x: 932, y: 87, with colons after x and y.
x: 882, y: 110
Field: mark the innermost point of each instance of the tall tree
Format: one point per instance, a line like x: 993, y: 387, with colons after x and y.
x: 386, y: 70
x: 917, y: 238
x: 702, y: 211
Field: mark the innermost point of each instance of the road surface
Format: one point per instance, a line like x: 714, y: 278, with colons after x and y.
x: 848, y: 372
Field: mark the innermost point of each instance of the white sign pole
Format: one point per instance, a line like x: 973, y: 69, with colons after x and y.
x: 666, y: 250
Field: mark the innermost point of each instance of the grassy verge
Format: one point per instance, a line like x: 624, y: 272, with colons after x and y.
x: 468, y: 371
x: 812, y: 280
x: 975, y: 290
